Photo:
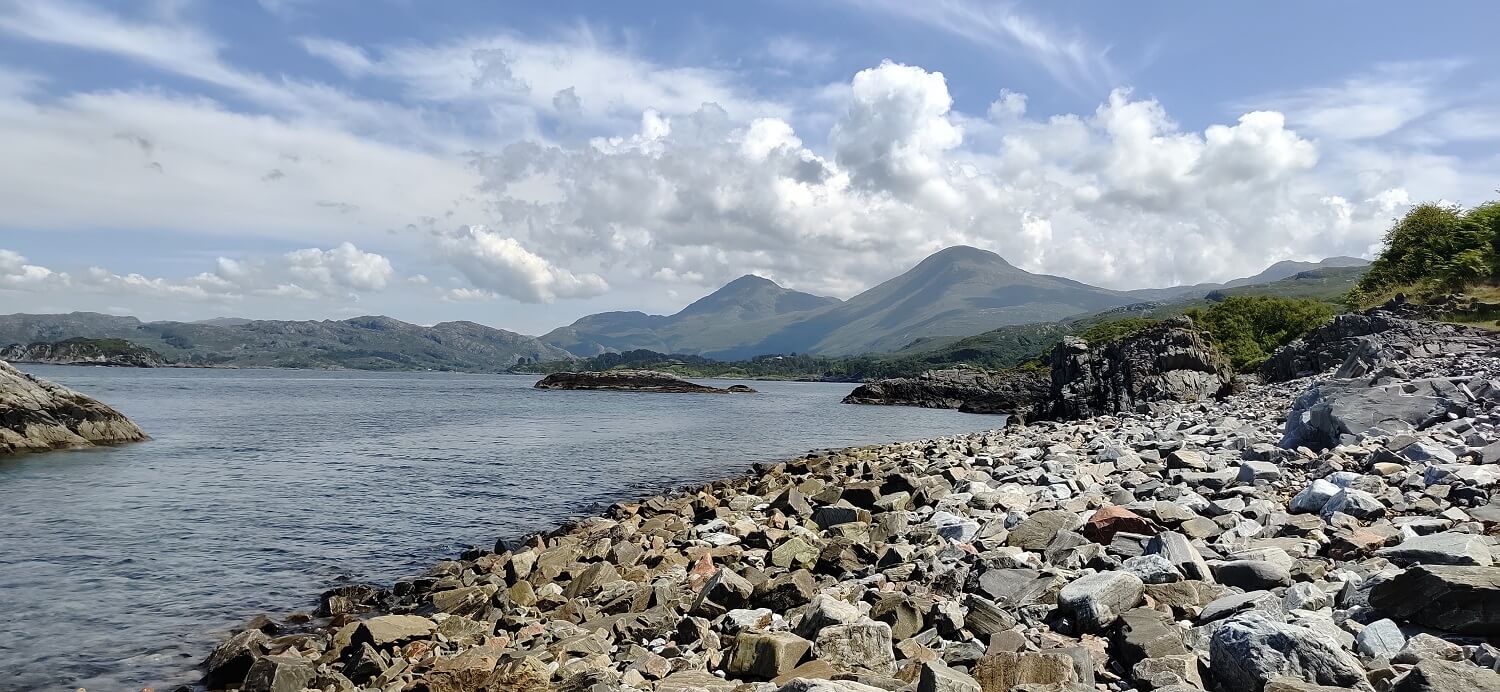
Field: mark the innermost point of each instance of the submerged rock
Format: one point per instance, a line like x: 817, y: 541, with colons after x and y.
x: 37, y: 415
x: 632, y: 381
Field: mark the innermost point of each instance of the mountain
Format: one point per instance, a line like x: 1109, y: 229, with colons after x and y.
x: 714, y: 320
x: 957, y: 291
x: 361, y: 343
x: 1284, y: 269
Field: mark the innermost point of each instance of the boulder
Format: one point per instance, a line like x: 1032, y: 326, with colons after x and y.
x: 1446, y: 676
x: 937, y: 677
x: 765, y: 655
x: 1465, y: 600
x: 1247, y: 651
x: 231, y: 660
x: 862, y: 644
x: 1097, y: 600
x: 279, y: 674
x: 1327, y: 411
x: 1443, y: 548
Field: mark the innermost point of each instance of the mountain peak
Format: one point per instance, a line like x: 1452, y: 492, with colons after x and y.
x: 966, y: 253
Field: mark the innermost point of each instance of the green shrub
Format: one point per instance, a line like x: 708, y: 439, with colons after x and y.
x: 1435, y: 248
x: 1248, y: 328
x: 1114, y: 330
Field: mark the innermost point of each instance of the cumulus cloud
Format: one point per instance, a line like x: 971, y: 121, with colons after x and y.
x: 498, y: 264
x: 16, y: 273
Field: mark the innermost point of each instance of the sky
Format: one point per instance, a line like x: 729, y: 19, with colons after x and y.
x: 522, y: 165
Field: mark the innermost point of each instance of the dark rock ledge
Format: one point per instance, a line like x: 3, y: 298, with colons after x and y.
x: 632, y: 381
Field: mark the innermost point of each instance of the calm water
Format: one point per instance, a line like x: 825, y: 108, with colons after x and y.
x: 119, y: 568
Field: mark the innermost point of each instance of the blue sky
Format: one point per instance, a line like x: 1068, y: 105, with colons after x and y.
x: 521, y: 166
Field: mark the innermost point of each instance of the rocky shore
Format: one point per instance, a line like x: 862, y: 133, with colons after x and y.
x: 37, y: 415
x: 104, y: 352
x: 1308, y: 535
x: 633, y: 381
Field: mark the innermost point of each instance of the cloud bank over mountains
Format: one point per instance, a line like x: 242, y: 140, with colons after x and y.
x: 549, y: 169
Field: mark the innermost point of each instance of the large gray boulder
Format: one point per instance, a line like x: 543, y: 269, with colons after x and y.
x: 1249, y: 650
x: 1171, y: 361
x: 37, y: 415
x: 1327, y: 411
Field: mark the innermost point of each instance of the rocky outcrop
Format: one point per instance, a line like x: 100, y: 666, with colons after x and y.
x: 1362, y: 342
x: 1170, y: 361
x: 37, y: 415
x: 1021, y: 393
x: 107, y: 352
x: 632, y: 381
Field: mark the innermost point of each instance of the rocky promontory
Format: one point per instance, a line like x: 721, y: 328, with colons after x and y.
x: 37, y: 415
x: 81, y: 351
x: 1173, y: 547
x: 632, y: 381
x: 1016, y: 392
x: 1168, y: 361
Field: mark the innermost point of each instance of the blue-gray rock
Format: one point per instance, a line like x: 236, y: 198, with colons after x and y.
x: 1312, y: 498
x: 1355, y: 503
x: 1249, y: 650
x: 1446, y: 548
x: 1253, y: 575
x: 1380, y: 639
x: 1096, y: 600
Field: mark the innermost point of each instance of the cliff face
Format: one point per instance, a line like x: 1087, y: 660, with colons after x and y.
x: 80, y: 351
x: 1171, y: 361
x: 37, y: 415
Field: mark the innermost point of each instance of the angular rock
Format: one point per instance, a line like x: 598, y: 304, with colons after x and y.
x: 1444, y: 548
x: 1465, y: 600
x: 765, y: 655
x: 862, y: 644
x: 1249, y: 650
x: 1097, y: 600
x: 279, y: 674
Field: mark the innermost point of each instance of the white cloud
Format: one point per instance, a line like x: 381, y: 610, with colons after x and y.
x: 17, y: 274
x: 896, y: 131
x: 495, y: 263
x: 1366, y: 106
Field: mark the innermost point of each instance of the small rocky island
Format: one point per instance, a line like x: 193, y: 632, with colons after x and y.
x: 633, y: 381
x: 37, y: 415
x: 1014, y: 392
x: 81, y: 351
x: 1333, y: 531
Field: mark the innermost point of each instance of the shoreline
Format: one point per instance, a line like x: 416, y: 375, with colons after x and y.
x: 957, y: 562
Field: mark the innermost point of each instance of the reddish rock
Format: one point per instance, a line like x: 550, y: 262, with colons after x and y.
x: 1112, y: 519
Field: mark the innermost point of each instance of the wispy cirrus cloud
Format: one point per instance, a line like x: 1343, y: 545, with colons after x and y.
x: 1072, y: 59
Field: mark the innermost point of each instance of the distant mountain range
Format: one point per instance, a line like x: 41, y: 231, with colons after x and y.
x: 957, y: 292
x: 361, y: 343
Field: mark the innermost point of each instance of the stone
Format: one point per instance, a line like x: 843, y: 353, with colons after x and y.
x: 1169, y: 361
x: 1252, y: 471
x: 1152, y: 569
x: 824, y: 611
x: 1380, y: 639
x: 806, y: 685
x: 1247, y: 651
x: 787, y: 591
x: 1006, y: 670
x: 1434, y: 675
x: 1016, y: 391
x: 1464, y: 600
x: 1355, y: 503
x: 1313, y: 498
x: 463, y: 601
x: 1039, y: 529
x: 1423, y: 646
x: 1176, y: 548
x: 279, y: 674
x: 1232, y: 604
x: 765, y: 655
x: 794, y: 552
x: 862, y: 644
x: 953, y: 527
x: 1253, y: 575
x: 1096, y: 600
x: 631, y: 381
x: 937, y: 677
x: 1146, y: 633
x: 1327, y: 411
x: 392, y: 630
x: 1165, y: 671
x: 1305, y: 596
x: 1444, y: 548
x: 231, y: 660
x: 1109, y: 520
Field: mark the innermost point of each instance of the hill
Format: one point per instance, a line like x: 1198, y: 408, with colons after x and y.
x: 1284, y: 269
x: 361, y: 343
